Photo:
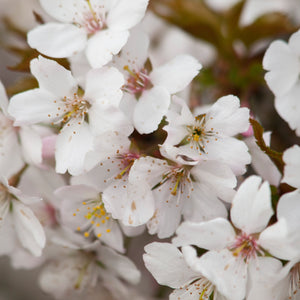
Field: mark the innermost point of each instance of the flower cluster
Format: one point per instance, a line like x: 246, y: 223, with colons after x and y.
x: 107, y: 147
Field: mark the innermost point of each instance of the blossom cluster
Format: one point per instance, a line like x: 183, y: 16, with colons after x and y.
x: 107, y: 148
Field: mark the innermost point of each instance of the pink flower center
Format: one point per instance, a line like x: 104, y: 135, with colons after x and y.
x: 126, y: 162
x: 93, y: 19
x: 137, y: 82
x: 245, y: 246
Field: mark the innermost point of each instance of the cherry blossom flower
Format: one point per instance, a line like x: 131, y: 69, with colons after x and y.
x: 275, y: 282
x: 181, y: 189
x: 127, y: 198
x: 59, y: 101
x: 82, y: 209
x: 238, y: 246
x: 78, y: 273
x: 147, y: 92
x: 188, y: 277
x: 282, y: 62
x: 100, y: 28
x: 210, y: 134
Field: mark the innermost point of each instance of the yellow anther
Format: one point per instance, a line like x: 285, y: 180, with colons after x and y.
x: 92, y: 222
x: 74, y: 215
x: 97, y: 225
x: 196, y: 137
x: 84, y: 203
x: 99, y: 235
x: 103, y: 221
x: 86, y: 234
x: 78, y: 229
x: 107, y: 218
x: 108, y: 230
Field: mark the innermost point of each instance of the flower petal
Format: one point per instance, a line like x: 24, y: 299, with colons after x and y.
x: 52, y: 77
x: 212, y: 235
x: 72, y: 144
x: 222, y: 269
x: 119, y: 265
x: 251, y: 207
x: 124, y: 15
x: 150, y: 109
x: 291, y: 157
x: 32, y: 107
x: 29, y: 230
x: 176, y: 74
x: 57, y: 40
x: 166, y: 264
x: 283, y: 66
x: 104, y: 83
x: 103, y: 45
x: 282, y: 239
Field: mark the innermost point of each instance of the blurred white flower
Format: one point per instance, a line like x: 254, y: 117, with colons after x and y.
x: 100, y: 28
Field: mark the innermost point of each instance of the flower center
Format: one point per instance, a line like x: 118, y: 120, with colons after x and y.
x: 126, y: 162
x: 93, y: 19
x: 294, y: 282
x: 137, y: 82
x: 245, y: 246
x: 71, y: 108
x: 198, y: 135
x: 202, y: 287
x: 177, y: 178
x: 95, y: 215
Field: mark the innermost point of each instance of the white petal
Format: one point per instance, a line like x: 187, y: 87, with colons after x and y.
x: 63, y: 10
x: 57, y: 40
x: 203, y: 205
x: 31, y: 145
x: 29, y: 230
x: 168, y: 209
x: 291, y: 157
x: 111, y: 235
x: 132, y: 203
x: 233, y: 153
x: 212, y: 235
x: 166, y: 264
x: 216, y: 176
x: 120, y: 265
x: 32, y: 107
x: 72, y: 144
x: 11, y: 160
x: 282, y: 239
x: 106, y: 118
x: 127, y: 105
x: 150, y: 109
x: 251, y: 207
x: 266, y: 280
x: 288, y: 107
x: 294, y: 42
x: 225, y: 271
x: 124, y: 15
x: 227, y: 117
x: 103, y: 45
x: 135, y: 53
x: 176, y: 74
x: 52, y: 77
x: 102, y: 83
x: 283, y: 66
